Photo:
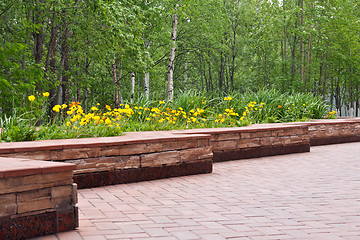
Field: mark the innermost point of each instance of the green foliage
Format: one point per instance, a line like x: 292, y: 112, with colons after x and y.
x: 191, y: 110
x: 16, y: 129
x: 223, y: 48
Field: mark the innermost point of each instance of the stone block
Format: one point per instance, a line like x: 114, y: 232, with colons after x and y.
x: 261, y: 134
x: 265, y: 142
x: 20, y: 184
x: 225, y: 136
x: 35, y: 155
x: 245, y: 135
x: 252, y: 143
x: 194, y: 154
x: 275, y: 141
x: 8, y: 205
x: 75, y: 153
x: 132, y: 149
x: 312, y: 128
x: 117, y: 162
x: 110, y: 151
x: 224, y: 145
x: 61, y: 197
x: 74, y: 193
x: 278, y: 133
x: 296, y: 139
x: 160, y: 159
x: 178, y: 144
x: 293, y: 131
x: 203, y: 142
x: 35, y: 205
x: 286, y: 140
x: 31, y: 195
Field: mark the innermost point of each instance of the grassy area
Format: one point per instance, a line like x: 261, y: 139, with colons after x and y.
x: 190, y: 110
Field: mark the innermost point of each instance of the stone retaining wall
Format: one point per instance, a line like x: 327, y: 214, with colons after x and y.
x: 334, y: 131
x: 36, y: 198
x: 256, y: 140
x: 151, y: 155
x: 130, y: 158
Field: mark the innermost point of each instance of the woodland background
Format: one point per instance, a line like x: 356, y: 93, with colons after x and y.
x: 111, y: 51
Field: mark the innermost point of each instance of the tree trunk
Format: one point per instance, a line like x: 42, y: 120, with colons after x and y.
x: 170, y: 87
x: 116, y: 96
x: 39, y: 33
x: 66, y: 66
x: 50, y: 64
x: 87, y: 65
x: 132, y: 86
x: 308, y: 55
x: 301, y: 67
x: 284, y: 39
x: 325, y: 72
x: 147, y: 74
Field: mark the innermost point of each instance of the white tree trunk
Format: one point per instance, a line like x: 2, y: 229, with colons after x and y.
x: 170, y: 87
x: 147, y: 85
x: 147, y: 76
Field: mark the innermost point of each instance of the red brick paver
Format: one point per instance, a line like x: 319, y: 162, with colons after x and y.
x: 312, y: 195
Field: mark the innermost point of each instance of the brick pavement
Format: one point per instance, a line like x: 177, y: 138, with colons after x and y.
x: 299, y: 196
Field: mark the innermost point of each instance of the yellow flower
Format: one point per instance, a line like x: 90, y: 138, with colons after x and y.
x: 107, y: 121
x: 161, y: 120
x: 69, y: 112
x: 181, y: 109
x: 94, y: 109
x: 228, y: 98
x: 63, y: 106
x: 161, y: 102
x: 98, y: 104
x: 68, y: 124
x: 147, y: 119
x: 108, y: 107
x: 46, y: 94
x: 56, y: 108
x: 31, y: 98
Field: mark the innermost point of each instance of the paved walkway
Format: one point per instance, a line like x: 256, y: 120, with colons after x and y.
x: 312, y: 195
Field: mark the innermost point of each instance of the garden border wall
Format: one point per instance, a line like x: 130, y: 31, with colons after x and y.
x: 36, y: 198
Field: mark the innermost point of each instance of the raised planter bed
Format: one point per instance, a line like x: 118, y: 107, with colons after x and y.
x: 324, y: 132
x: 124, y: 159
x: 37, y: 195
x: 36, y: 198
x: 256, y: 140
